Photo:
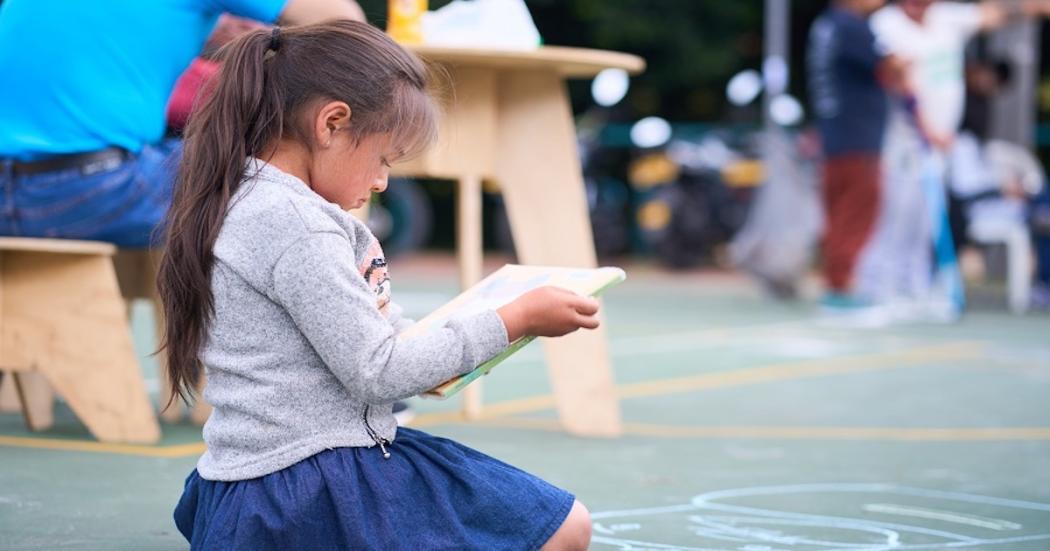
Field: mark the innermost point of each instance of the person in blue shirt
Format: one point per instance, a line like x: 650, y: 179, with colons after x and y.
x: 850, y: 104
x: 83, y: 90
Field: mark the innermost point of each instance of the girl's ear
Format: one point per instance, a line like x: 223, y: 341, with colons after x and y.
x: 332, y: 117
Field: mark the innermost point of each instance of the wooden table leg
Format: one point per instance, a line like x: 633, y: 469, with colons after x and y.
x: 542, y: 182
x: 471, y: 253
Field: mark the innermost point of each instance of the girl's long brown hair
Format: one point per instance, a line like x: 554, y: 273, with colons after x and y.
x: 261, y: 96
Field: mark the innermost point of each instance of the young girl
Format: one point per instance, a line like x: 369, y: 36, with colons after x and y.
x: 281, y: 296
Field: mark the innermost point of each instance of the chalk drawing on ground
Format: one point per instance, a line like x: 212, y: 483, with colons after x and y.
x: 827, y: 517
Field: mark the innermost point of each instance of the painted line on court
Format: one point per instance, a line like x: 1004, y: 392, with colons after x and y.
x: 901, y: 434
x: 915, y: 357
x: 178, y: 450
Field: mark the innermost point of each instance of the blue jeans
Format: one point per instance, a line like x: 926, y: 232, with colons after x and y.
x: 123, y: 206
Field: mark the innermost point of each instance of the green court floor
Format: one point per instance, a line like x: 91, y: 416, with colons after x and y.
x: 749, y: 426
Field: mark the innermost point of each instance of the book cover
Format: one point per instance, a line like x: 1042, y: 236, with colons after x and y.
x: 501, y: 287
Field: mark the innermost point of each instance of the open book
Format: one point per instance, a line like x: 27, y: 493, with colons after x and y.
x: 501, y: 287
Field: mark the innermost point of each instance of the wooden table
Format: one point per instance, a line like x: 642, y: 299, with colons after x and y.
x: 509, y: 120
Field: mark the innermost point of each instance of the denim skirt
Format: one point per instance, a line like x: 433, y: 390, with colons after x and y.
x: 431, y: 494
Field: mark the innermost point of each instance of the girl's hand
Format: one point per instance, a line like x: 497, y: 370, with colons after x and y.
x: 548, y: 312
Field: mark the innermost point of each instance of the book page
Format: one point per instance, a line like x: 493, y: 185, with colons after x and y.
x: 501, y: 287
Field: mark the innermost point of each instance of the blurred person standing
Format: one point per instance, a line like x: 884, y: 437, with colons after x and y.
x: 84, y: 89
x: 930, y: 36
x: 849, y: 101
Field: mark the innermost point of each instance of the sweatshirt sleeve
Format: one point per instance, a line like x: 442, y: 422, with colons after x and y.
x: 396, y: 319
x: 315, y: 281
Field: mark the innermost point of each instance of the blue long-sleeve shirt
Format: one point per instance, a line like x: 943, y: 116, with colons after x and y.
x: 846, y: 98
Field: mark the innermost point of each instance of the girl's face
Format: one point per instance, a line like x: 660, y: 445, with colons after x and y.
x: 347, y: 173
x: 341, y: 169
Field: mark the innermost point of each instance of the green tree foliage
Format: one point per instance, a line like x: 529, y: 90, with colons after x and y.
x: 692, y: 46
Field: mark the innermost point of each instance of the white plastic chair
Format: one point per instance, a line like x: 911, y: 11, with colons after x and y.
x: 978, y: 168
x: 1018, y: 257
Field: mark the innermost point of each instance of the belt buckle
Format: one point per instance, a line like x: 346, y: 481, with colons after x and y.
x: 106, y: 164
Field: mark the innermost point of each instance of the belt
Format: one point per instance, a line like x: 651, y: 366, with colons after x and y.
x: 88, y: 163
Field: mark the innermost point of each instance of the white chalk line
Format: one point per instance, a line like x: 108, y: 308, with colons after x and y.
x: 728, y: 527
x: 946, y: 516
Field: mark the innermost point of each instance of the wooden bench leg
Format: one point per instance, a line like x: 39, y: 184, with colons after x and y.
x: 200, y: 410
x: 137, y: 275
x: 137, y: 272
x: 9, y: 402
x: 38, y: 406
x: 37, y: 400
x: 63, y: 317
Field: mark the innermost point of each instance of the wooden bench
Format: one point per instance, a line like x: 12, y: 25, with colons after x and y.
x: 137, y: 274
x: 64, y: 326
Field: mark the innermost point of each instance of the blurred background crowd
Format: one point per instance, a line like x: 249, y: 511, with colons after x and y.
x: 786, y: 137
x: 716, y: 156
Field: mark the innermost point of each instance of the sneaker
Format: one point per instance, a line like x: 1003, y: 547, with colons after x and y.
x: 842, y: 302
x: 845, y: 310
x: 403, y: 413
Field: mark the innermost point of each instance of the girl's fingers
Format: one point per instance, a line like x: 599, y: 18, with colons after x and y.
x: 586, y: 306
x: 588, y: 322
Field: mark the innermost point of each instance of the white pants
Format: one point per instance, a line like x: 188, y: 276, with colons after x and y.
x: 896, y: 263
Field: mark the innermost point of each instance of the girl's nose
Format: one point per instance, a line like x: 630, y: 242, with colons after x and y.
x: 380, y: 184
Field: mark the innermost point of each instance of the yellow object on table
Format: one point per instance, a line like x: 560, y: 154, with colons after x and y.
x: 405, y: 20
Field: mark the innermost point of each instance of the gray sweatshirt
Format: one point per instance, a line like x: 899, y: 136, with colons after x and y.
x: 303, y: 352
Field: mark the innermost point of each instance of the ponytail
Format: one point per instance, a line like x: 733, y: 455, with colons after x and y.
x: 267, y: 81
x: 240, y: 115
